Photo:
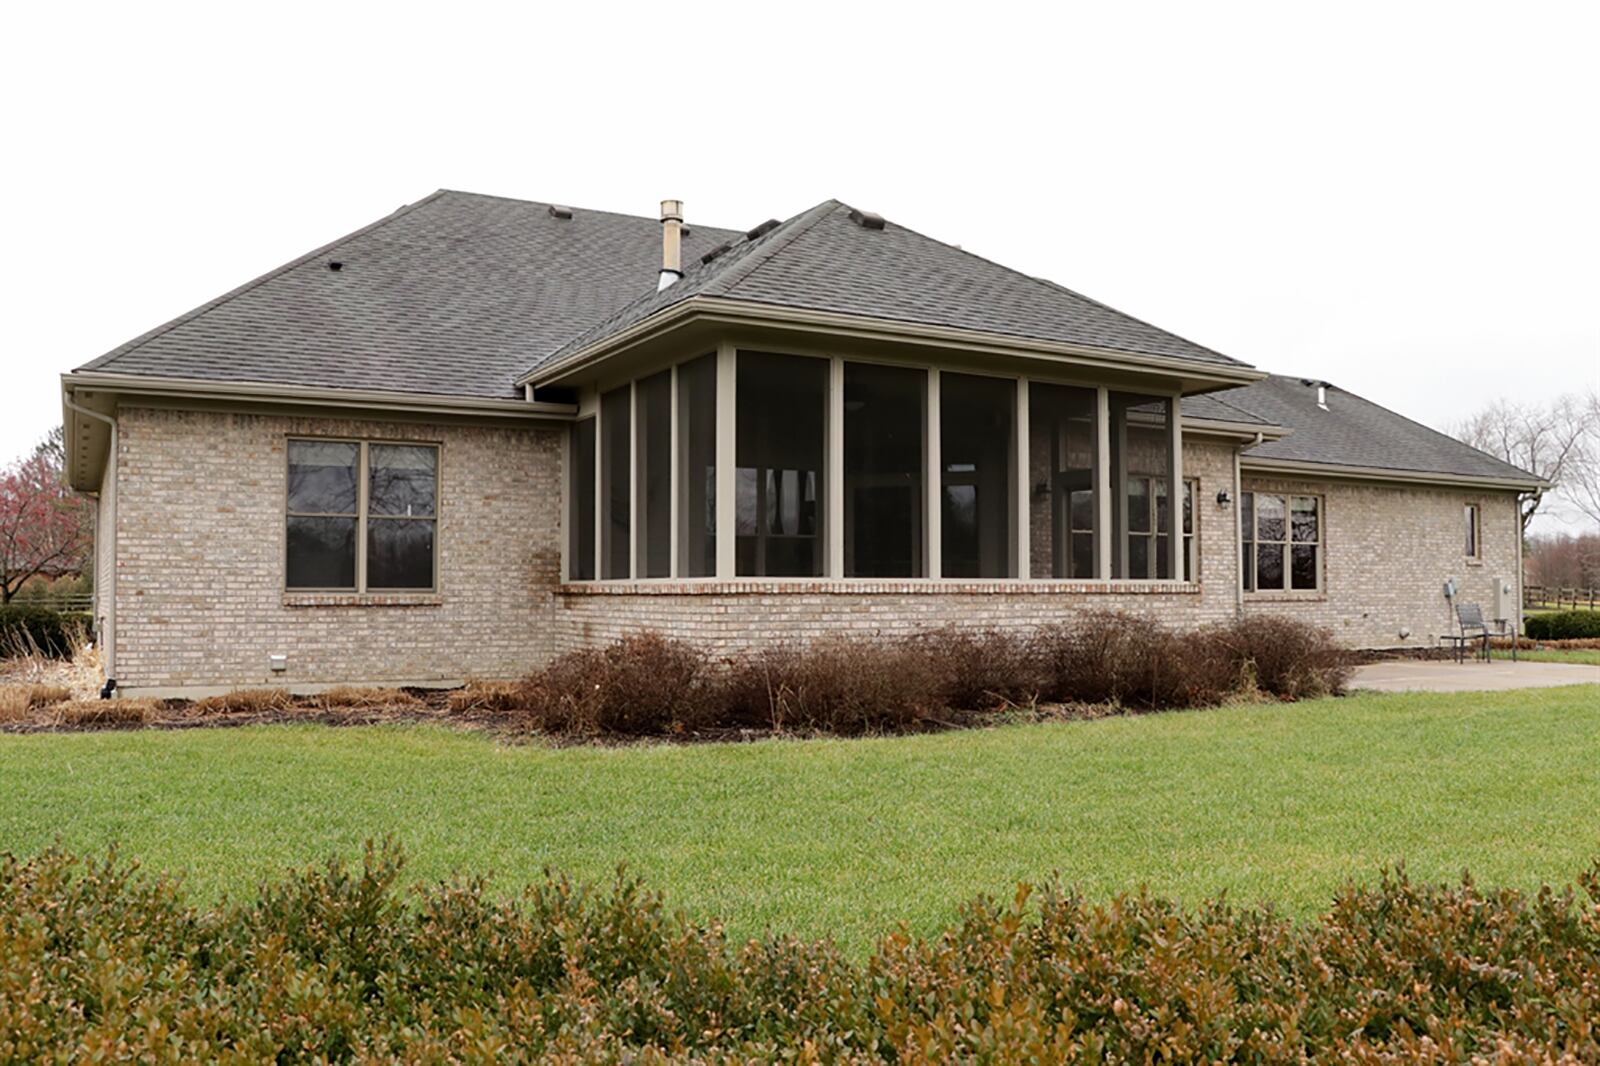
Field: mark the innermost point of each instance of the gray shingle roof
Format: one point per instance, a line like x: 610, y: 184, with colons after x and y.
x: 453, y: 295
x: 1355, y: 432
x: 822, y: 260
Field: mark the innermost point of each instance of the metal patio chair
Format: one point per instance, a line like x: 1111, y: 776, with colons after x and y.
x: 1471, y: 628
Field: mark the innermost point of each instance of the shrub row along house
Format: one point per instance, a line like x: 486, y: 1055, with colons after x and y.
x: 481, y: 432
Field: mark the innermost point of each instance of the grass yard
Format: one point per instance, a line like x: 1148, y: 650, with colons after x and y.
x: 847, y: 837
x: 1583, y: 656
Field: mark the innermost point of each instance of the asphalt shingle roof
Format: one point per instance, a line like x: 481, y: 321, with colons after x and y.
x: 454, y: 295
x: 824, y: 260
x: 1353, y: 432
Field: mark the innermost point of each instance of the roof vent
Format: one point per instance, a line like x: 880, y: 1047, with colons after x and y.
x: 718, y: 250
x: 557, y: 211
x: 1322, y: 391
x: 762, y: 230
x: 335, y: 266
x: 867, y: 219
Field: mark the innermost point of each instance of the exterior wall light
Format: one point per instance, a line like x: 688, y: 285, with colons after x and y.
x: 1223, y: 499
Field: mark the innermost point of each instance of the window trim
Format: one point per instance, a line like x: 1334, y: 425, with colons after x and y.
x: 1247, y: 579
x: 363, y: 473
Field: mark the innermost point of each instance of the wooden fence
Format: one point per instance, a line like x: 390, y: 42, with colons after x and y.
x: 1553, y: 598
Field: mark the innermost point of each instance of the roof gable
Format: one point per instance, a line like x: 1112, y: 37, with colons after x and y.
x: 824, y: 260
x: 451, y: 296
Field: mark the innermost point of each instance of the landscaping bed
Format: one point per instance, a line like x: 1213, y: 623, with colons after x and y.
x: 650, y: 686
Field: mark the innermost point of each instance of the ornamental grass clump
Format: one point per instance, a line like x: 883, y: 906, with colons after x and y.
x: 338, y: 963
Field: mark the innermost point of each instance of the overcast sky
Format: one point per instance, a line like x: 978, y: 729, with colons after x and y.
x: 1400, y: 198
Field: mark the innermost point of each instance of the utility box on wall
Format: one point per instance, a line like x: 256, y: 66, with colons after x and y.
x: 1505, y: 598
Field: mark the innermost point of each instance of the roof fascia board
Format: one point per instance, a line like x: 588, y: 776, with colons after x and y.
x: 1263, y: 465
x: 744, y: 313
x: 264, y: 392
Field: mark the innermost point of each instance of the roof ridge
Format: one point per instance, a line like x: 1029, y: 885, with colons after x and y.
x: 1217, y: 397
x: 188, y: 316
x: 771, y: 246
x: 576, y: 207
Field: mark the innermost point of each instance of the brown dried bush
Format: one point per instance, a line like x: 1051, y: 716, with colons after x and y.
x: 104, y: 712
x: 643, y: 685
x: 982, y: 670
x: 243, y: 701
x: 837, y: 685
x: 490, y: 697
x: 17, y: 700
x: 365, y: 698
x: 1133, y: 661
x: 1287, y: 658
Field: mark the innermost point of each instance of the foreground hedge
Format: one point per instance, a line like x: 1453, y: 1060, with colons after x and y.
x: 650, y: 685
x: 1564, y: 625
x: 25, y: 628
x: 97, y: 962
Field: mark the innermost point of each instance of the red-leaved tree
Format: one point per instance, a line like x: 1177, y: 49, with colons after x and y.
x: 45, y: 528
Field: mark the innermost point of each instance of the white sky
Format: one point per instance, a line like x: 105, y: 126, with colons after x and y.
x: 1400, y: 198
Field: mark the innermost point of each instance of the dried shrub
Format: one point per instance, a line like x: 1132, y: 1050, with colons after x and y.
x: 336, y: 963
x: 120, y: 712
x: 982, y: 670
x: 365, y: 698
x: 643, y: 685
x: 17, y: 700
x: 490, y: 697
x: 1133, y: 661
x: 836, y: 685
x: 1285, y: 657
x: 244, y: 701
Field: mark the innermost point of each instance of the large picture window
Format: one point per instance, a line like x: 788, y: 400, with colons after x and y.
x: 361, y: 515
x: 884, y: 411
x: 780, y: 431
x: 1282, y: 542
x: 976, y: 449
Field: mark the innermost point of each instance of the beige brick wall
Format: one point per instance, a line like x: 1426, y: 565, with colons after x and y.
x: 199, y: 562
x: 1388, y: 550
x: 200, y: 543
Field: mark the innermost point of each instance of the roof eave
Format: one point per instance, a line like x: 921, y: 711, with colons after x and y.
x: 1219, y: 427
x: 102, y: 390
x: 744, y: 313
x: 1344, y: 471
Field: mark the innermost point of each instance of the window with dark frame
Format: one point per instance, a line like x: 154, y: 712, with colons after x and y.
x: 361, y: 515
x: 1281, y: 541
x: 1473, y: 545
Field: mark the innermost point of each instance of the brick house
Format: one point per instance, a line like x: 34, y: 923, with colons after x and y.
x: 481, y: 432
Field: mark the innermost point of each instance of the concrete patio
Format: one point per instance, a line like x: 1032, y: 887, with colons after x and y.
x: 1411, y: 675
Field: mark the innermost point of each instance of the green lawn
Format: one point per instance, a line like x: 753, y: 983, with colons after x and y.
x: 847, y: 837
x: 1586, y: 656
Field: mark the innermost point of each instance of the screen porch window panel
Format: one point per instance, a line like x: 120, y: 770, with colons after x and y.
x: 1141, y: 470
x: 884, y: 415
x: 616, y: 492
x: 1062, y: 511
x: 580, y: 542
x: 976, y: 420
x: 780, y: 429
x: 378, y: 497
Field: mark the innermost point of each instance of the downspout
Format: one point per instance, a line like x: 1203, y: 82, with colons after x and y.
x: 105, y: 584
x: 1238, y: 525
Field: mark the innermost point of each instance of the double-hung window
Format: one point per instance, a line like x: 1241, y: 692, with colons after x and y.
x: 1282, y: 542
x: 362, y: 515
x: 1150, y: 529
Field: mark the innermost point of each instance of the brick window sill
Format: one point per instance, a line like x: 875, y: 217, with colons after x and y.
x: 362, y: 599
x: 1285, y: 597
x: 872, y: 587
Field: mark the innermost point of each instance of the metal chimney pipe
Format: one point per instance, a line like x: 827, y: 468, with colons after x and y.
x: 671, y: 242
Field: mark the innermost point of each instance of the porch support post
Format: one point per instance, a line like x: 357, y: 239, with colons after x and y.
x: 674, y: 480
x: 1104, y: 548
x: 599, y: 488
x: 933, y: 490
x: 634, y: 569
x: 1175, y: 491
x: 834, y: 513
x: 727, y: 482
x: 1021, y: 565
